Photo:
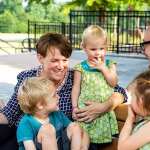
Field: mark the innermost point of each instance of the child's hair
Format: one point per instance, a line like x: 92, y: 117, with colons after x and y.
x: 93, y: 31
x: 33, y: 91
x: 142, y: 88
x: 49, y: 41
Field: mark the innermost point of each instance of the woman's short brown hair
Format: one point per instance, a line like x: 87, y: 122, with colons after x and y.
x: 54, y: 40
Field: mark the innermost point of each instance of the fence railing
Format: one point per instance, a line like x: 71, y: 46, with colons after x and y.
x: 124, y: 28
x: 36, y: 29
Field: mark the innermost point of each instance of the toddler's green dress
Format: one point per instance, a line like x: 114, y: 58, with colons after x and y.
x: 138, y: 126
x: 95, y: 88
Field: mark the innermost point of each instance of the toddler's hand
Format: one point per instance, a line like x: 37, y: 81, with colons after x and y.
x: 131, y: 114
x: 97, y: 63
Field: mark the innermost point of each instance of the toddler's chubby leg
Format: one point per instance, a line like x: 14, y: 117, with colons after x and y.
x: 77, y: 137
x: 47, y: 137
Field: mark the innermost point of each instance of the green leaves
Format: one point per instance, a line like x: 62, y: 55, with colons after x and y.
x: 107, y: 5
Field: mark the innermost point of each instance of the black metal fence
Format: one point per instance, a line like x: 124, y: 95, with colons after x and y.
x: 123, y: 27
x: 36, y: 29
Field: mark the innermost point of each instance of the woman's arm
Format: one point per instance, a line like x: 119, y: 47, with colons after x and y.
x: 129, y: 141
x: 11, y: 112
x: 95, y: 109
x: 3, y: 119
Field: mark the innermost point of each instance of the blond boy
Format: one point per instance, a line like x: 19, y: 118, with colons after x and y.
x: 39, y: 101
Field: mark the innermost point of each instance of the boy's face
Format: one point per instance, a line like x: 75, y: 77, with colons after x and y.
x: 52, y: 103
x: 95, y: 48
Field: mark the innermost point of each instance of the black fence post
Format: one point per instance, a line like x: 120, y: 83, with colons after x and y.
x: 118, y: 18
x: 29, y: 41
x: 35, y: 26
x: 63, y: 28
x: 70, y: 27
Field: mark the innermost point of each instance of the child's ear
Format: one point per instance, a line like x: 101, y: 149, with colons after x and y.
x: 140, y: 101
x: 141, y: 105
x: 81, y: 45
x: 39, y: 106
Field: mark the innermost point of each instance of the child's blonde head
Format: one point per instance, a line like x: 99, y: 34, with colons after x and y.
x: 33, y: 91
x: 93, y: 32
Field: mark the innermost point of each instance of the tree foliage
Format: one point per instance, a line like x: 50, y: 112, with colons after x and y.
x: 15, y: 16
x: 106, y: 5
x: 43, y: 2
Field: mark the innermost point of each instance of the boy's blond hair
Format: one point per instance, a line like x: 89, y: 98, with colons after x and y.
x: 93, y: 31
x: 34, y: 90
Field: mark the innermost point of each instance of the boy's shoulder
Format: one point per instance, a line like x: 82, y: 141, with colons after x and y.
x: 25, y: 119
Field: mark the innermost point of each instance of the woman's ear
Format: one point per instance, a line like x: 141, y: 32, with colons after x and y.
x: 40, y: 58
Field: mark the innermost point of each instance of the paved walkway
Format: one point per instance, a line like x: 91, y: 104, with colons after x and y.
x: 11, y: 65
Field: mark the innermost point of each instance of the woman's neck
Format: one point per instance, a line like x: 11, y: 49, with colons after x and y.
x: 56, y: 82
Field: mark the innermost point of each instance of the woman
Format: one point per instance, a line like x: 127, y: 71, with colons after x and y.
x: 53, y: 52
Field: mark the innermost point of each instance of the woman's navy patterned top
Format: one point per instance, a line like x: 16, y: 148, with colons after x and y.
x: 12, y: 110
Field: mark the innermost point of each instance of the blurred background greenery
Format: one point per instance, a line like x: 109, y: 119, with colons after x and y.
x: 14, y: 14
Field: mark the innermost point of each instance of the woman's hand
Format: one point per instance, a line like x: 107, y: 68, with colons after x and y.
x: 90, y: 112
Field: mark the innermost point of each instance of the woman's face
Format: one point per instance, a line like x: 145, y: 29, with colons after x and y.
x: 55, y: 65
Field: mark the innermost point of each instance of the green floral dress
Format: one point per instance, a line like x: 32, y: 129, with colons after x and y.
x: 138, y: 126
x: 94, y: 87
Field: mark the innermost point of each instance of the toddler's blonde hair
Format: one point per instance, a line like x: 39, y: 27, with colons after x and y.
x: 93, y: 31
x: 33, y: 91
